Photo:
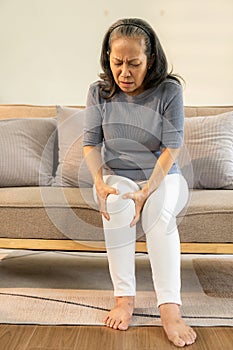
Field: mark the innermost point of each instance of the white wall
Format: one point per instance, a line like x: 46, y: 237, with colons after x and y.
x: 50, y: 48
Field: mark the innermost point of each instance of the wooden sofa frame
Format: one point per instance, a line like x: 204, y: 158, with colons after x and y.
x: 69, y: 245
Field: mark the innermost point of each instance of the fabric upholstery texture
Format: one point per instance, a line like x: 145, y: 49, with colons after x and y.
x: 27, y: 151
x: 209, y: 142
x: 63, y: 213
x: 71, y: 170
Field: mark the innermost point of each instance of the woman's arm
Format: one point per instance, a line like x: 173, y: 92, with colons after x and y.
x: 92, y: 155
x: 162, y: 167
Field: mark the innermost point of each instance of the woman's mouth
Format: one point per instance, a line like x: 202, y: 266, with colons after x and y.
x: 126, y: 83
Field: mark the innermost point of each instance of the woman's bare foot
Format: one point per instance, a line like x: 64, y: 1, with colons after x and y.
x: 176, y: 329
x: 120, y: 316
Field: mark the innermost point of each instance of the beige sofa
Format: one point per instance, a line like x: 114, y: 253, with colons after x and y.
x: 65, y: 218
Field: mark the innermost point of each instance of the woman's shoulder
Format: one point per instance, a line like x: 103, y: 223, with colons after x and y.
x: 171, y: 85
x: 168, y: 87
x: 94, y: 86
x: 94, y: 93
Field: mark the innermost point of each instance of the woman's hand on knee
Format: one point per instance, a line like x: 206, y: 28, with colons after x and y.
x: 102, y: 191
x: 139, y: 198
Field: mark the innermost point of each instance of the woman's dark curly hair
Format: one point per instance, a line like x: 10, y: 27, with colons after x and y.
x: 134, y: 27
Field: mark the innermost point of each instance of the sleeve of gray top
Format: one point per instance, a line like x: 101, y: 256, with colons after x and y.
x: 92, y: 130
x: 173, y: 117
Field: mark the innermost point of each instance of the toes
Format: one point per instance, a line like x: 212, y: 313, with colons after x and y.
x: 108, y: 321
x: 117, y: 324
x: 105, y: 320
x: 190, y: 337
x: 181, y: 339
x: 193, y: 334
x: 178, y: 341
x: 188, y: 340
x: 112, y: 323
x: 119, y: 317
x: 123, y: 326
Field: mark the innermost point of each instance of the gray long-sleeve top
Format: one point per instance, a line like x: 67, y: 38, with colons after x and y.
x: 132, y: 130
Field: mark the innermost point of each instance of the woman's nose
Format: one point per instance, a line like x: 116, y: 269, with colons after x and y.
x: 125, y: 71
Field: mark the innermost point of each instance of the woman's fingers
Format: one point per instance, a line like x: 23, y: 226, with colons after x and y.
x: 135, y: 219
x: 133, y: 196
x: 102, y: 197
x: 102, y: 208
x: 105, y: 214
x: 139, y: 199
x: 128, y: 195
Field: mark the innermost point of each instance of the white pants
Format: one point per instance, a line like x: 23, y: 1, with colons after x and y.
x: 158, y: 219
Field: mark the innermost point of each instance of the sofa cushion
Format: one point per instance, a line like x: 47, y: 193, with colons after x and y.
x: 208, y: 144
x: 27, y: 151
x: 72, y: 170
x: 70, y: 213
x: 49, y: 213
x: 208, y: 217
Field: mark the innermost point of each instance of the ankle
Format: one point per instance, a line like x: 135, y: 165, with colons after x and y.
x: 125, y: 301
x: 125, y: 298
x: 170, y: 310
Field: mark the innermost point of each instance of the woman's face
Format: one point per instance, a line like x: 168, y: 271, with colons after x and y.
x: 128, y: 63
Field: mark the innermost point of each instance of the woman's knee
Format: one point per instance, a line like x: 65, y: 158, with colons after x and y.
x: 122, y: 209
x: 115, y: 204
x: 122, y: 184
x: 162, y: 207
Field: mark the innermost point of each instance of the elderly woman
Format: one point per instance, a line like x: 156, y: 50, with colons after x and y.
x: 133, y: 131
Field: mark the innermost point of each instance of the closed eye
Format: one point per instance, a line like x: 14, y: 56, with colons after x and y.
x: 134, y: 64
x: 130, y: 64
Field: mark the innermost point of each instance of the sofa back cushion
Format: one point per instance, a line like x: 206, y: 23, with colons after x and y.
x: 27, y: 151
x: 72, y: 170
x: 206, y: 160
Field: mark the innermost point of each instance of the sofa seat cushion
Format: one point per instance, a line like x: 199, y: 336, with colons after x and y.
x: 208, y: 217
x: 49, y: 213
x: 70, y: 213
